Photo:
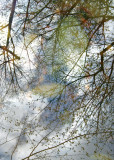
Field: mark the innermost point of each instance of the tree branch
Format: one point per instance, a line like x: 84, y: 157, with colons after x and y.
x: 10, y: 21
x: 79, y: 136
x: 4, y: 48
x: 106, y: 49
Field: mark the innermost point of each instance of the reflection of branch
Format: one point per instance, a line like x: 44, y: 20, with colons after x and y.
x: 68, y: 140
x: 40, y: 11
x: 26, y: 16
x: 111, y: 70
x: 107, y: 48
x: 41, y: 141
x: 2, y: 27
x: 18, y: 140
x: 10, y: 21
x: 73, y: 6
x: 102, y: 57
x: 100, y: 69
x: 91, y: 36
x: 4, y: 48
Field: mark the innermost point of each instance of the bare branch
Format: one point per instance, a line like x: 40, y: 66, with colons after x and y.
x: 12, y: 53
x: 10, y: 21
